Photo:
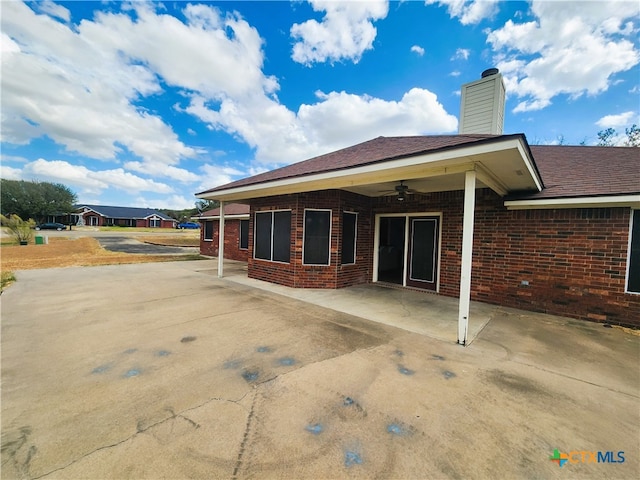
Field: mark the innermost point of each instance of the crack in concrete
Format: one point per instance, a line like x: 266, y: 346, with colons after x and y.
x: 140, y: 430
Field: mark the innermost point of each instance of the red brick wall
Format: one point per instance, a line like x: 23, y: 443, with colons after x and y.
x: 232, y: 249
x: 574, y: 260
x: 335, y: 275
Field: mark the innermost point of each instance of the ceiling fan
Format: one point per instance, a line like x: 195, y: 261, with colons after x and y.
x: 401, y: 191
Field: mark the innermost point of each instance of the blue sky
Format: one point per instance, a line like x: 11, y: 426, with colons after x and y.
x: 147, y: 103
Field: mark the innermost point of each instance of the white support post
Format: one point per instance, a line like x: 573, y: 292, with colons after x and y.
x: 221, y: 242
x: 467, y: 255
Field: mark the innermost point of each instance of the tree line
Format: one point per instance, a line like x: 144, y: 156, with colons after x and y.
x: 39, y: 200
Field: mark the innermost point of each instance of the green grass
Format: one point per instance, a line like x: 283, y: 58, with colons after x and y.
x: 7, y: 278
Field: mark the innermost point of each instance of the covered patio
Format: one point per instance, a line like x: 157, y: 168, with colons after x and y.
x: 421, y: 312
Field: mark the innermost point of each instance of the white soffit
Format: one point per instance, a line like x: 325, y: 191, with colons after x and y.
x: 504, y: 165
x: 632, y: 201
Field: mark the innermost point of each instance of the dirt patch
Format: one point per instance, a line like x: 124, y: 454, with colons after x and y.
x: 173, y: 240
x: 64, y: 252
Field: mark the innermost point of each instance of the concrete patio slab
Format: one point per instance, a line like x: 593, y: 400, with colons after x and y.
x: 419, y: 312
x: 165, y: 371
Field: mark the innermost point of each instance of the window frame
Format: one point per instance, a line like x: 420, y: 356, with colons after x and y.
x: 355, y: 238
x: 304, y: 236
x: 271, y: 235
x: 633, y: 254
x: 204, y: 231
x: 240, y: 236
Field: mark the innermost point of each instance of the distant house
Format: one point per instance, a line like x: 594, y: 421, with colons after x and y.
x: 236, y: 232
x: 104, y: 215
x: 478, y: 216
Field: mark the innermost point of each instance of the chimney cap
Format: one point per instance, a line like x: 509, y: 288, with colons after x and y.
x: 490, y: 71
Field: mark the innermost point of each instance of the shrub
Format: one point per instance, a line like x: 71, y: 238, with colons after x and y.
x: 20, y: 229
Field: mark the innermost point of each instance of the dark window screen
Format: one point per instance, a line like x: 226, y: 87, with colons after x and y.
x: 316, y: 237
x: 244, y: 234
x: 262, y: 233
x: 208, y: 230
x: 349, y: 237
x: 634, y: 257
x: 281, y: 236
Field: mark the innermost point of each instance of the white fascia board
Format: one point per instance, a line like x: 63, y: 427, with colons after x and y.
x: 244, y: 216
x: 453, y: 160
x: 632, y: 201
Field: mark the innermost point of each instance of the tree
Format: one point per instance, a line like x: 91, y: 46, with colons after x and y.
x: 35, y: 199
x: 607, y: 137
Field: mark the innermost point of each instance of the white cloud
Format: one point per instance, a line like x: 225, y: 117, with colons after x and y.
x: 462, y: 54
x: 213, y: 176
x: 570, y: 48
x: 90, y: 181
x: 9, y: 173
x: 469, y: 12
x: 621, y: 120
x: 417, y: 49
x: 55, y: 10
x: 345, y: 33
x: 79, y: 91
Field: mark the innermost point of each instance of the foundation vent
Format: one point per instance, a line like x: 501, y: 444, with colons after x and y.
x: 482, y: 104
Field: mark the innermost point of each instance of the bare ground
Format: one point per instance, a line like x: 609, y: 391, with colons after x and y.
x: 84, y: 251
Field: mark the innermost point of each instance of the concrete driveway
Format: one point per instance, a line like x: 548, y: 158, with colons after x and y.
x: 165, y: 371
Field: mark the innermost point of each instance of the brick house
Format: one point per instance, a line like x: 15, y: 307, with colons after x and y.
x: 478, y: 216
x: 105, y: 215
x: 236, y: 232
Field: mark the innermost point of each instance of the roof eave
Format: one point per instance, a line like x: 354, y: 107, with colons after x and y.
x: 440, y: 162
x: 601, y: 201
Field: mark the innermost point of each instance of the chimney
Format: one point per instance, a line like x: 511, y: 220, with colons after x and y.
x: 482, y: 104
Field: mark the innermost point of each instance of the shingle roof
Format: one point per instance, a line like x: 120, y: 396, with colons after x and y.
x: 576, y: 171
x: 229, y: 209
x: 566, y: 171
x: 373, y: 151
x: 124, y: 212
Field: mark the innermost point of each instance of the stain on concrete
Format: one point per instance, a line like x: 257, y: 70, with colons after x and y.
x: 102, y: 368
x: 187, y: 339
x: 286, y: 361
x: 129, y: 351
x: 395, y: 429
x: 16, y: 446
x: 232, y: 364
x: 448, y: 374
x: 352, y: 458
x: 163, y: 353
x: 348, y: 401
x: 263, y: 349
x: 134, y: 372
x: 438, y: 357
x: 514, y: 383
x: 399, y: 352
x: 250, y: 376
x: 316, y: 428
x: 405, y: 371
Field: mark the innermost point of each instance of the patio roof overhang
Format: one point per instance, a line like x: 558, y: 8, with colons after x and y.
x: 505, y: 165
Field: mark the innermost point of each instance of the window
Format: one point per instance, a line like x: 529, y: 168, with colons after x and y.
x: 208, y: 230
x: 244, y: 234
x: 272, y: 234
x: 154, y: 222
x: 317, y: 237
x: 349, y: 223
x: 633, y: 276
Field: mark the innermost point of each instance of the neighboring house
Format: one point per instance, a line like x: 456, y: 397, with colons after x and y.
x: 478, y: 216
x: 104, y: 215
x: 236, y: 232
